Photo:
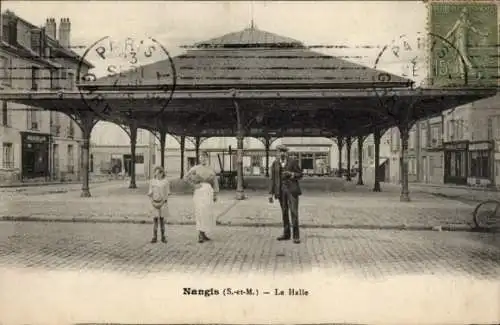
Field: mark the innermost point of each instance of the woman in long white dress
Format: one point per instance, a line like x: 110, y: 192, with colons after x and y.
x: 206, y: 187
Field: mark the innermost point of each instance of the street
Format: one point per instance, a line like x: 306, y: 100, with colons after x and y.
x: 239, y: 250
x: 100, y: 265
x: 85, y: 272
x: 357, y: 207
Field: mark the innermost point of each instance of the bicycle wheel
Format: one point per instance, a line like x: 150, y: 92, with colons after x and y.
x: 485, y: 213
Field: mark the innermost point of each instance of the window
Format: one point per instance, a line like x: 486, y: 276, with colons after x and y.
x: 494, y: 127
x: 370, y: 151
x: 55, y: 118
x: 71, y: 159
x: 412, y: 166
x: 435, y: 136
x: 412, y: 138
x: 455, y: 164
x: 54, y: 79
x: 395, y: 139
x: 5, y: 71
x: 460, y: 130
x: 32, y: 119
x: 71, y: 130
x: 5, y: 114
x: 64, y: 74
x: 480, y: 164
x: 35, y: 77
x: 497, y: 127
x: 139, y: 159
x: 307, y: 161
x: 55, y: 155
x: 451, y: 130
x: 8, y: 155
x: 490, y: 128
x: 71, y: 80
x: 424, y: 140
x: 256, y: 161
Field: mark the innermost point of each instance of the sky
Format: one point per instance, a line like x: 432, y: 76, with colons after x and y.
x: 352, y: 24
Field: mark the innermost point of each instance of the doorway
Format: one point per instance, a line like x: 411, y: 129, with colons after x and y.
x: 127, y: 164
x: 191, y: 162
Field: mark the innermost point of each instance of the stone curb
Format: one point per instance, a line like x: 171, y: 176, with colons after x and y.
x: 50, y: 184
x: 455, y: 198
x: 458, y: 227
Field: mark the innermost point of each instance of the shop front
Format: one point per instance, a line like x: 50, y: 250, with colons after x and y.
x: 456, y: 162
x: 481, y: 157
x: 314, y: 160
x: 35, y: 155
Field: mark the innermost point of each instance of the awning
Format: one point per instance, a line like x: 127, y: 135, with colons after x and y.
x: 381, y: 162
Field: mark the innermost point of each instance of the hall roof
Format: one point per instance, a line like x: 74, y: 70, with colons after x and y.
x: 253, y: 58
x: 250, y: 37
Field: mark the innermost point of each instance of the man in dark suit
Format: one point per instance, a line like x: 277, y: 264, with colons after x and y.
x: 284, y: 186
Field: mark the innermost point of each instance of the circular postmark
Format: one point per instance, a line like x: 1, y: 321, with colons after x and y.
x: 131, y: 77
x: 403, y: 61
x: 403, y: 58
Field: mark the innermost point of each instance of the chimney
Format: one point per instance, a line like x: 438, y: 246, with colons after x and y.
x: 50, y: 28
x: 64, y: 32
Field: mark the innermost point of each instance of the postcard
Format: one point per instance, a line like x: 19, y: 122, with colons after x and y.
x: 249, y: 162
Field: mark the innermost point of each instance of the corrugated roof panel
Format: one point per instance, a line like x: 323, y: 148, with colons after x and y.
x: 253, y: 66
x: 249, y: 36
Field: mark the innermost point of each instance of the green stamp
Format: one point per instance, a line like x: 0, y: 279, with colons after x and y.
x: 464, y: 44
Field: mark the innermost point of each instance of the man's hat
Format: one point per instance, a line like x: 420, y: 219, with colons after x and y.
x: 159, y: 168
x: 282, y: 148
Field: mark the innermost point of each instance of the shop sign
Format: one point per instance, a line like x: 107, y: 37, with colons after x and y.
x: 456, y: 146
x: 35, y: 138
x: 480, y: 146
x: 309, y: 149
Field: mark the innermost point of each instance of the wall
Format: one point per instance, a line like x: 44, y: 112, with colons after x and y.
x: 19, y: 116
x: 101, y: 156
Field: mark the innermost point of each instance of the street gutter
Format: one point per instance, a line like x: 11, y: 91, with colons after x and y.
x: 453, y: 227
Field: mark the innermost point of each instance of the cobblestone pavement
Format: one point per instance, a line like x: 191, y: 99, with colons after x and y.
x: 87, y: 273
x: 357, y: 207
x: 465, y: 194
x: 44, y: 189
x: 236, y: 250
x: 361, y: 208
x: 113, y: 202
x: 468, y: 195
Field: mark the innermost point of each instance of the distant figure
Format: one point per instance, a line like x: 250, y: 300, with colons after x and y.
x: 459, y: 37
x: 206, y: 187
x: 159, y: 190
x: 284, y: 186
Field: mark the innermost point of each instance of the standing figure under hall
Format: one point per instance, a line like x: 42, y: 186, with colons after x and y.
x: 284, y: 186
x: 206, y: 187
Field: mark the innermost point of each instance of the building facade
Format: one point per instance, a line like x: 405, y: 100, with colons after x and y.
x: 110, y: 153
x: 37, y: 144
x: 368, y: 163
x: 458, y: 147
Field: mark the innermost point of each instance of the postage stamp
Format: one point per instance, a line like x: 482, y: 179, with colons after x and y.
x: 464, y: 43
x: 125, y: 64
